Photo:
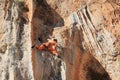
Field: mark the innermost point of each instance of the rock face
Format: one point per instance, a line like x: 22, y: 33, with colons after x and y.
x: 15, y: 53
x: 87, y: 32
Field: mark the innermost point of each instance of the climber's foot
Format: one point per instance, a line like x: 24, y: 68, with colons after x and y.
x: 33, y: 46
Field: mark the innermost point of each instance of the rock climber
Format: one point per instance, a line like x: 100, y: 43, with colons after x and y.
x: 50, y: 45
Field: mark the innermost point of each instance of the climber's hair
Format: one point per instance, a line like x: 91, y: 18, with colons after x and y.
x: 55, y: 40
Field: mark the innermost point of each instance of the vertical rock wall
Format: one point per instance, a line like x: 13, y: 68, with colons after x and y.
x: 15, y: 48
x: 99, y: 22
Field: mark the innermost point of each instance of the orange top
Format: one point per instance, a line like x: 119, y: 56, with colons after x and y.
x: 50, y: 45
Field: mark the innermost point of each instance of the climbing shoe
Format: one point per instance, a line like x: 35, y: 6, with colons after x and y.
x: 33, y: 46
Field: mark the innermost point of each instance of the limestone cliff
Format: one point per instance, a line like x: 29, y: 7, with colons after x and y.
x: 87, y: 32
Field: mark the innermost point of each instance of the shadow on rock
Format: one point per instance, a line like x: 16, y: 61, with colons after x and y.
x: 80, y: 63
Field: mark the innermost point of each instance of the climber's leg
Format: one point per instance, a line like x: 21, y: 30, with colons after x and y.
x: 41, y: 47
x: 54, y: 52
